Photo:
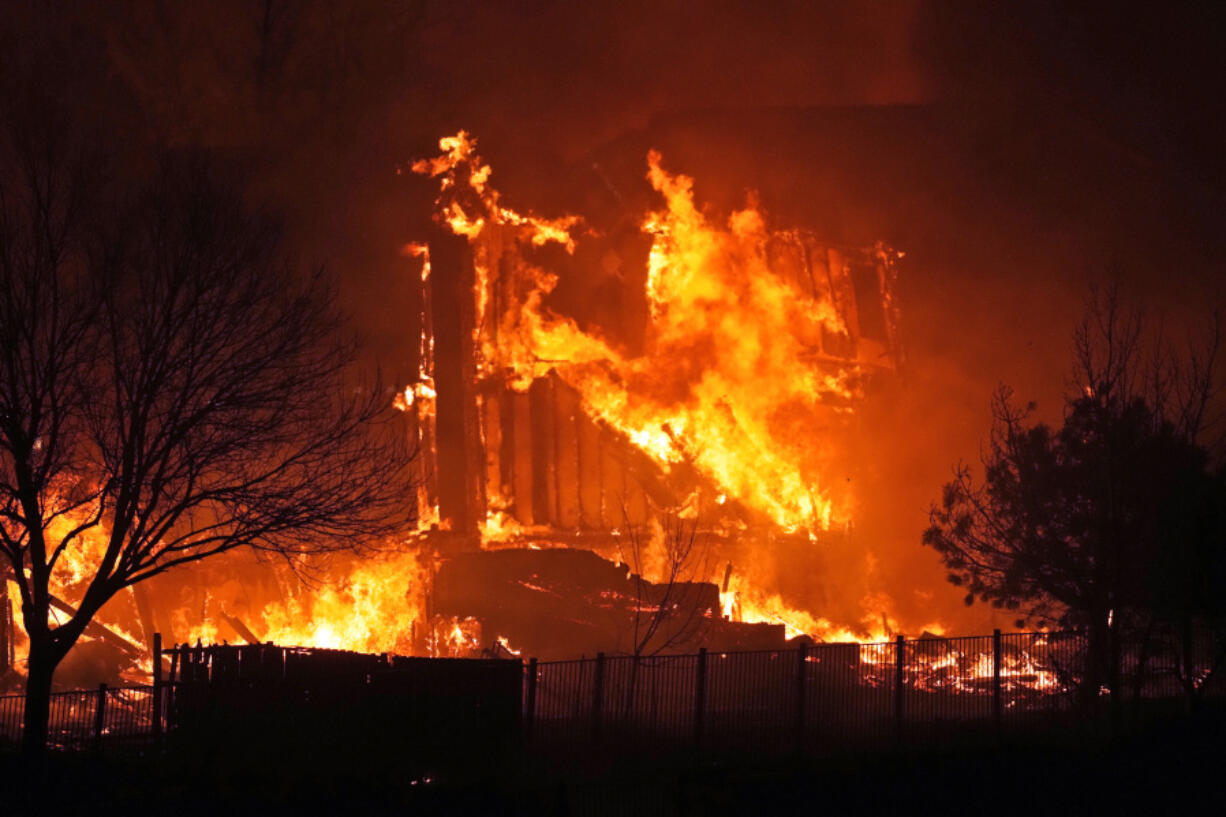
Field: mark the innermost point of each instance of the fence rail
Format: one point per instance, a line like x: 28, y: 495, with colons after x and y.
x: 814, y: 698
x: 87, y: 718
x: 830, y: 697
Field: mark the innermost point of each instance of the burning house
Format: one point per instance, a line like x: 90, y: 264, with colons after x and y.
x: 655, y: 459
x: 619, y: 419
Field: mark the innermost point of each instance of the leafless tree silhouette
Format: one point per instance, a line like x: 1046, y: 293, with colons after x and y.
x: 670, y: 612
x: 170, y: 387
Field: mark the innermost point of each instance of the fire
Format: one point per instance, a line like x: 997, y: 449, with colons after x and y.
x: 80, y: 559
x: 376, y: 608
x: 739, y: 381
x: 736, y: 383
x: 456, y: 638
x: 506, y: 646
x: 75, y: 567
x: 754, y: 606
x: 374, y: 604
x: 420, y: 398
x: 499, y: 527
x: 733, y: 381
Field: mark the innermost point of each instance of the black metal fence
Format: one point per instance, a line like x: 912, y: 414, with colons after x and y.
x: 816, y: 698
x: 87, y: 718
x: 825, y: 698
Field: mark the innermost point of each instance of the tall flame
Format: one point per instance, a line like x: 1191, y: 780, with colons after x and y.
x: 732, y: 382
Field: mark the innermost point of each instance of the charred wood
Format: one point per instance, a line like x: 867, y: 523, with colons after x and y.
x: 240, y: 628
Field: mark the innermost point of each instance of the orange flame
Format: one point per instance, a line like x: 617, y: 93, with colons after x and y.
x: 732, y: 377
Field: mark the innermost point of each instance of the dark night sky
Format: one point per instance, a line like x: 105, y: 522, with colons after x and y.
x: 1014, y: 150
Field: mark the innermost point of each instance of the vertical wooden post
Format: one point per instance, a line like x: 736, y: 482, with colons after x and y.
x: 452, y: 320
x: 517, y: 437
x: 597, y: 695
x: 700, y: 697
x: 589, y: 472
x: 802, y: 657
x: 157, y: 685
x: 566, y: 452
x: 492, y: 402
x: 997, y: 663
x: 543, y: 442
x: 612, y: 484
x: 100, y: 717
x: 530, y: 700
x: 900, y: 678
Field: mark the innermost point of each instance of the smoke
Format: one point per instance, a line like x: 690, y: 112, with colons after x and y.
x: 564, y: 78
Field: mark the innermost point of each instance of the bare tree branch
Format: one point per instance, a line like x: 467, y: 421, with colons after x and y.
x: 171, y: 388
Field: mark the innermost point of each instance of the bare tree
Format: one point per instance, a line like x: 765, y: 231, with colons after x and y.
x: 672, y: 611
x: 667, y: 612
x: 171, y: 387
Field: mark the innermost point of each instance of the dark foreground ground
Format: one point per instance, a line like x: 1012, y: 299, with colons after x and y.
x: 1169, y: 770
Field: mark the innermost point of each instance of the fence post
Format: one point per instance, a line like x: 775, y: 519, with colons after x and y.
x: 597, y: 695
x: 157, y: 685
x: 530, y: 702
x: 171, y: 680
x: 700, y: 696
x: 900, y: 665
x: 1116, y: 701
x: 997, y: 663
x: 99, y: 717
x: 1186, y: 664
x: 802, y: 655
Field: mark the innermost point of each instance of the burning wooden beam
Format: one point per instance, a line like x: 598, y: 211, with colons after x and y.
x: 492, y: 403
x: 613, y: 485
x: 590, y: 484
x: 520, y: 443
x: 451, y: 303
x: 543, y: 448
x: 566, y: 411
x: 239, y: 627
